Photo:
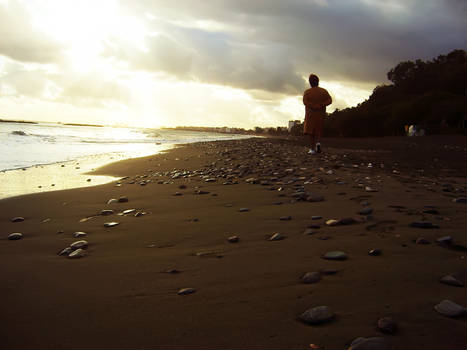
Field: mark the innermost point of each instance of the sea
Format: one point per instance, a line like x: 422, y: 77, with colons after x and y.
x: 39, y: 157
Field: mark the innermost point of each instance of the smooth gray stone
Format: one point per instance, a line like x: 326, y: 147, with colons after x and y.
x: 123, y: 199
x: 107, y: 212
x: 112, y: 200
x: 79, y: 245
x: 111, y: 224
x: 444, y: 239
x: 128, y: 211
x: 185, y: 291
x: 276, y: 237
x: 366, y: 211
x: 76, y: 254
x: 374, y: 343
x: 15, y: 236
x: 17, y: 219
x: 450, y: 309
x: 387, y: 325
x: 311, y: 277
x: 233, y: 239
x: 317, y: 315
x: 335, y: 255
x: 242, y: 210
x: 451, y: 280
x: 65, y: 252
x: 79, y: 234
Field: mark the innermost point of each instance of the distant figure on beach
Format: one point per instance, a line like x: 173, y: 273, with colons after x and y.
x: 315, y: 100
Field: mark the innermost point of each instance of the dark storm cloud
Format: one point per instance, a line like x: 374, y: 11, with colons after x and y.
x: 271, y: 44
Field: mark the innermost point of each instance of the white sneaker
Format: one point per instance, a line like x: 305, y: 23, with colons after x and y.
x: 311, y: 151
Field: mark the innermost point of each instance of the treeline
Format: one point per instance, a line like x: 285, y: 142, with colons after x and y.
x: 429, y: 94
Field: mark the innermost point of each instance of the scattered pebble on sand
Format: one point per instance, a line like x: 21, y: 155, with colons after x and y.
x: 276, y: 237
x: 242, y: 210
x: 311, y: 277
x: 373, y: 343
x: 79, y: 234
x: 111, y: 224
x: 15, y: 236
x: 17, y: 219
x: 375, y: 252
x: 451, y: 280
x: 78, y: 253
x: 185, y: 291
x: 335, y: 255
x: 449, y: 308
x: 233, y: 239
x: 317, y: 315
x: 107, y: 212
x: 123, y: 199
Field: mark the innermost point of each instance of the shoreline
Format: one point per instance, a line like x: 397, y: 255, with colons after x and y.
x: 124, y: 292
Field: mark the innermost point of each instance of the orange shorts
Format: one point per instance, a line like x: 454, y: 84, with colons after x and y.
x: 313, y: 125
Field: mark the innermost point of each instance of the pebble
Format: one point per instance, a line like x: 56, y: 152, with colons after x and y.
x: 242, y: 210
x: 111, y: 224
x: 285, y: 218
x: 15, y: 236
x: 422, y: 240
x: 369, y: 189
x: 366, y: 211
x: 444, y: 240
x: 140, y: 213
x: 123, y: 199
x: 112, y: 200
x: 276, y: 237
x: 66, y: 251
x: 79, y: 245
x: 423, y: 224
x: 387, y: 325
x: 316, y: 217
x: 172, y: 271
x: 460, y: 200
x: 185, y: 291
x: 79, y: 234
x: 17, y: 219
x: 335, y: 255
x: 375, y: 252
x: 201, y: 192
x: 128, y: 211
x: 451, y: 280
x: 317, y: 315
x: 233, y: 239
x: 332, y: 222
x: 107, y: 212
x: 78, y: 253
x: 309, y: 231
x: 373, y: 343
x: 450, y: 309
x: 311, y: 277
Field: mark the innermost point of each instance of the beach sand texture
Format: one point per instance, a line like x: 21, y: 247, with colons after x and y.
x: 248, y: 293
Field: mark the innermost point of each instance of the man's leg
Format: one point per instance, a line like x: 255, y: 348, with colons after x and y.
x: 312, y: 143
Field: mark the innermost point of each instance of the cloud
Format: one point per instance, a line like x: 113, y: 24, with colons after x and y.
x: 20, y: 40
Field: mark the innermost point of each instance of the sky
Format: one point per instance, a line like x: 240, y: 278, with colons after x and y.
x: 236, y: 63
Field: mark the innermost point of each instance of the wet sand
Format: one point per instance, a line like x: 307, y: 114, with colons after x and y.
x: 249, y: 294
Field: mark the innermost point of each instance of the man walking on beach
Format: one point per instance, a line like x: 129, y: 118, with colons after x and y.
x: 315, y: 100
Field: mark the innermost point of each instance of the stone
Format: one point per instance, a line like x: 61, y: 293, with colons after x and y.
x: 123, y: 199
x: 311, y: 277
x: 375, y: 252
x: 450, y: 309
x: 387, y: 325
x: 276, y: 237
x: 112, y: 200
x: 316, y: 217
x: 366, y: 211
x: 451, y: 280
x: 15, y: 236
x: 107, y: 212
x: 335, y: 255
x: 243, y: 210
x: 373, y: 343
x: 140, y: 213
x: 332, y: 222
x: 65, y: 252
x: 111, y: 224
x: 422, y: 240
x: 317, y: 315
x: 79, y: 245
x: 423, y: 224
x: 460, y: 200
x: 285, y: 218
x: 17, y: 219
x: 233, y: 239
x: 185, y: 291
x: 370, y: 189
x: 347, y: 221
x: 76, y: 254
x: 128, y: 211
x: 79, y: 234
x: 444, y: 240
x: 309, y: 231
x: 177, y: 194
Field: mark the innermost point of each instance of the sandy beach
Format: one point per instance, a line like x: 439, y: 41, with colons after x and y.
x: 394, y: 197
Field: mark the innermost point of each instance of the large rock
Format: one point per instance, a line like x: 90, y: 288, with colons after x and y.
x: 317, y: 315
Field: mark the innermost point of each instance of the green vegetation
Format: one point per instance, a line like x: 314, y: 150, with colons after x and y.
x: 430, y: 94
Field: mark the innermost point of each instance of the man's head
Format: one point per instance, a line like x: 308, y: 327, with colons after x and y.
x: 314, y: 80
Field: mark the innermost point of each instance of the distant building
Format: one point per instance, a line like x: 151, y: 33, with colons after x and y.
x: 291, y: 124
